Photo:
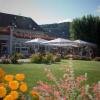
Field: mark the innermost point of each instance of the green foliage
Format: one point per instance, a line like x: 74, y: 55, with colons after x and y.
x: 5, y: 60
x: 77, y: 57
x: 57, y: 30
x: 48, y: 58
x: 14, y: 59
x: 36, y: 58
x: 97, y: 58
x: 57, y: 58
x: 86, y: 28
x: 35, y: 72
x: 19, y: 55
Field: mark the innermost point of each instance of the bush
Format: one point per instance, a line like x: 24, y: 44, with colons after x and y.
x: 85, y: 58
x: 19, y: 55
x: 68, y: 87
x: 36, y: 58
x: 45, y: 60
x: 14, y: 59
x: 9, y: 59
x: 48, y: 58
x: 5, y: 60
x: 97, y: 58
x: 57, y: 58
x: 77, y: 57
x: 68, y: 56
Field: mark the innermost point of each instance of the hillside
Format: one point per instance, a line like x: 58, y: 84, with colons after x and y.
x: 19, y: 22
x: 57, y: 29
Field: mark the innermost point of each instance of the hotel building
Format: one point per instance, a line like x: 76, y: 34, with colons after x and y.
x: 15, y: 31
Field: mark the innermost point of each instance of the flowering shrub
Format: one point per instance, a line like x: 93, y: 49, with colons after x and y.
x: 47, y: 58
x: 67, y: 88
x: 35, y: 95
x: 5, y: 60
x: 36, y: 58
x: 12, y: 87
x: 56, y: 58
x: 19, y: 55
x: 2, y: 73
x: 14, y: 59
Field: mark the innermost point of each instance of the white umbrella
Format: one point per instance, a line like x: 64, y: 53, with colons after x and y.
x: 63, y: 45
x: 37, y: 40
x: 81, y: 42
x: 59, y: 40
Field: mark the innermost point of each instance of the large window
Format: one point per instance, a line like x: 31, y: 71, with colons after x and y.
x: 3, y: 47
x: 17, y: 49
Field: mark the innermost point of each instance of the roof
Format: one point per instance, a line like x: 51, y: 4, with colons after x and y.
x: 17, y: 21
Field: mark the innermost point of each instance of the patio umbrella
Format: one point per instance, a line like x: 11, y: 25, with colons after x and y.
x: 58, y: 41
x: 37, y: 40
x: 81, y: 42
x: 63, y: 45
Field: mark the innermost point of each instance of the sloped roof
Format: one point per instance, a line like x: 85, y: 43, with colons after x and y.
x: 20, y: 22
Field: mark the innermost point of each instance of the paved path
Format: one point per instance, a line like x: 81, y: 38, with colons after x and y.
x: 21, y: 60
x: 24, y: 60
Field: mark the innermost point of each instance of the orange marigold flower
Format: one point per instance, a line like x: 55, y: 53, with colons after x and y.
x: 15, y: 94
x: 2, y: 91
x: 35, y: 95
x: 20, y: 77
x: 2, y: 73
x: 14, y: 85
x: 9, y: 97
x: 2, y: 84
x: 9, y: 77
x: 23, y: 87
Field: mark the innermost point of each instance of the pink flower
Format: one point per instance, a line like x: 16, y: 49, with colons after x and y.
x: 95, y: 87
x: 83, y: 91
x: 57, y: 93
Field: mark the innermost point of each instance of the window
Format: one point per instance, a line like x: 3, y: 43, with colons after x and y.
x: 17, y: 49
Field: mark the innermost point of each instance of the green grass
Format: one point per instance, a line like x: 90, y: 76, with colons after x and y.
x: 35, y: 72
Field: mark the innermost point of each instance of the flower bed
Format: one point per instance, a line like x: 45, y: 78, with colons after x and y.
x: 14, y: 87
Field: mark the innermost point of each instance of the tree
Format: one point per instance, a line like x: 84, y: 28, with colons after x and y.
x: 86, y: 28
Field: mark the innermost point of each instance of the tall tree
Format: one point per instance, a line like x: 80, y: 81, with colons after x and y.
x: 86, y: 28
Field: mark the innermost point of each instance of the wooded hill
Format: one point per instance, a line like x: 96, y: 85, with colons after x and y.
x: 57, y: 29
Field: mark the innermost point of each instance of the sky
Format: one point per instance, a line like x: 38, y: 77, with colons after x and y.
x: 51, y: 11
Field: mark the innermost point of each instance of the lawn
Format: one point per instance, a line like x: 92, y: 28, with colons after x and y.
x: 35, y: 72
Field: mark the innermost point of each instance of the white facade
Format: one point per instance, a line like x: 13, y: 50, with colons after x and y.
x: 4, y: 44
x: 10, y: 44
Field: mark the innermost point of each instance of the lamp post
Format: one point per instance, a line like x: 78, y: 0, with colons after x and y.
x: 11, y: 39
